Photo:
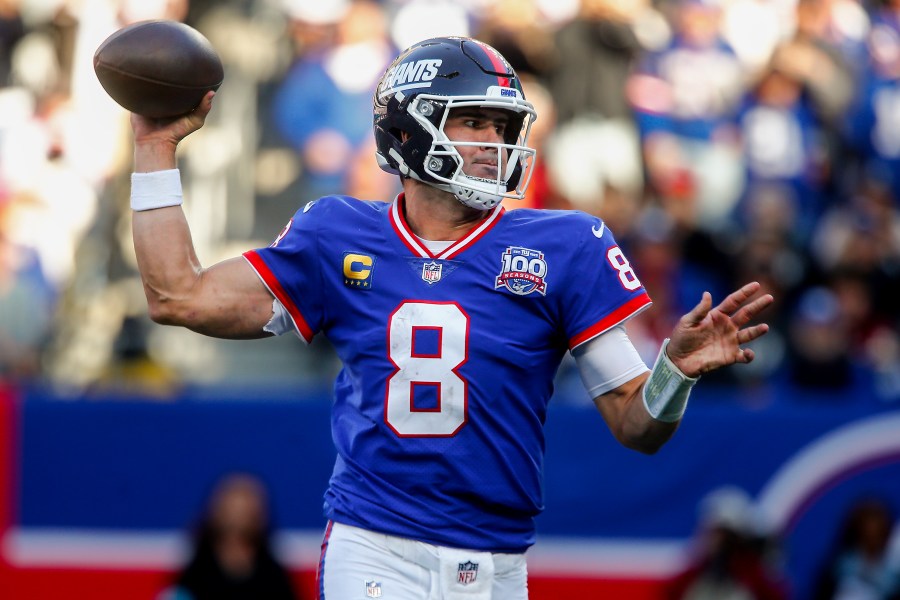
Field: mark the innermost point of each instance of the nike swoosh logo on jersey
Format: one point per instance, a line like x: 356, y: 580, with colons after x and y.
x: 598, y: 233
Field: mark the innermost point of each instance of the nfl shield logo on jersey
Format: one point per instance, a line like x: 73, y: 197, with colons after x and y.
x: 431, y: 272
x: 523, y: 271
x: 373, y: 589
x: 467, y: 572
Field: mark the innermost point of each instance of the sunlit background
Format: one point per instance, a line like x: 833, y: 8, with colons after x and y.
x: 722, y: 141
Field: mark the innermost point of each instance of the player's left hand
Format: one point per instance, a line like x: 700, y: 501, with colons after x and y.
x: 707, y: 338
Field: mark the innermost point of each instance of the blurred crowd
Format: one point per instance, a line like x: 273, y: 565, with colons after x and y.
x: 721, y: 141
x: 736, y: 554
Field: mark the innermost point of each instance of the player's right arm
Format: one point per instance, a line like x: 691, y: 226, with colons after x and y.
x: 226, y: 300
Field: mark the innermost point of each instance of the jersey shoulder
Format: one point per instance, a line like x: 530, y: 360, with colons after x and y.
x: 337, y: 210
x: 573, y: 224
x: 329, y: 218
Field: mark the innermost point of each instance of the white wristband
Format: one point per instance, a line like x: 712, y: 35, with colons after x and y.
x: 666, y: 391
x: 157, y: 189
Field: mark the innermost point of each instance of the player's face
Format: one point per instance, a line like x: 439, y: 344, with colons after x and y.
x: 476, y: 124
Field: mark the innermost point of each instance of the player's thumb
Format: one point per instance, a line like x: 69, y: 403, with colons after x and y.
x: 699, y: 312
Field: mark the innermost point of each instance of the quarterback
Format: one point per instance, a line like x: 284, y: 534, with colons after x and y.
x: 450, y: 316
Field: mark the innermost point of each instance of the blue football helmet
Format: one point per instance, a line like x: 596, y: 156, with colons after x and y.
x: 415, y: 97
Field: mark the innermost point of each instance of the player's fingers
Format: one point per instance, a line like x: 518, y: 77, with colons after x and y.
x: 735, y: 299
x: 746, y: 313
x: 699, y: 312
x: 745, y: 355
x: 751, y: 333
x: 206, y: 103
x: 199, y: 113
x: 183, y: 126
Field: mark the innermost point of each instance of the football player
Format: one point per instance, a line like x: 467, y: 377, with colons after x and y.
x: 450, y: 315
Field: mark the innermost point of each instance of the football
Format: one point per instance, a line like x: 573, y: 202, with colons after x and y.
x: 158, y: 69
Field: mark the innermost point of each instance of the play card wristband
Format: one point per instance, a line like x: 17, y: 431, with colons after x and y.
x: 666, y: 391
x: 157, y: 189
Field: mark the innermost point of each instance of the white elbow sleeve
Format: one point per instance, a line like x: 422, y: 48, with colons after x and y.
x: 607, y: 361
x: 666, y: 391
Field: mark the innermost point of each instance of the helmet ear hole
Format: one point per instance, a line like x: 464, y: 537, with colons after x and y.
x: 442, y: 166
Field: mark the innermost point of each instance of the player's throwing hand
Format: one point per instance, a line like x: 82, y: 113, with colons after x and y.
x: 171, y: 131
x: 707, y: 338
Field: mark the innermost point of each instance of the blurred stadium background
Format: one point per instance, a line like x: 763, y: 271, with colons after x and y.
x: 721, y: 140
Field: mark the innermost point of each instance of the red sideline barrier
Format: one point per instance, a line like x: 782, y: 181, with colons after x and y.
x: 78, y: 584
x: 70, y: 584
x: 84, y: 584
x: 551, y: 588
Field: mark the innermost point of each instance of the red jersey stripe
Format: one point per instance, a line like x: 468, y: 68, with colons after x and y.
x: 406, y: 235
x: 629, y: 309
x: 401, y: 228
x: 271, y: 282
x: 476, y: 234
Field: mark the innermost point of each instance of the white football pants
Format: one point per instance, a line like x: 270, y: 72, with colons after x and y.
x: 358, y: 564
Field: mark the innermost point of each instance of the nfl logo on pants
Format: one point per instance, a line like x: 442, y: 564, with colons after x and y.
x: 373, y: 589
x: 467, y: 572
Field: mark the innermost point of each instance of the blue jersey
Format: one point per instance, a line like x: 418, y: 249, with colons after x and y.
x: 448, y: 359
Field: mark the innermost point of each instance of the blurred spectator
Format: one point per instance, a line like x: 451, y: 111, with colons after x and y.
x: 733, y: 558
x: 819, y: 345
x: 854, y: 298
x: 595, y: 165
x: 416, y: 20
x: 232, y: 558
x: 767, y: 248
x: 873, y: 123
x: 754, y: 27
x: 516, y: 29
x: 785, y: 147
x: 822, y: 52
x: 313, y: 24
x: 863, y: 234
x: 132, y: 370
x: 685, y: 97
x: 593, y: 158
x: 27, y: 302
x: 12, y: 29
x: 323, y: 106
x: 654, y: 248
x: 641, y: 124
x: 860, y: 566
x: 882, y: 354
x: 594, y: 55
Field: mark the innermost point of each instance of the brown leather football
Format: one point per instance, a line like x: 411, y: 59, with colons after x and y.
x: 159, y: 68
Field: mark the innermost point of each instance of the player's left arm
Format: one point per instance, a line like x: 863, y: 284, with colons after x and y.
x: 628, y: 419
x: 644, y: 412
